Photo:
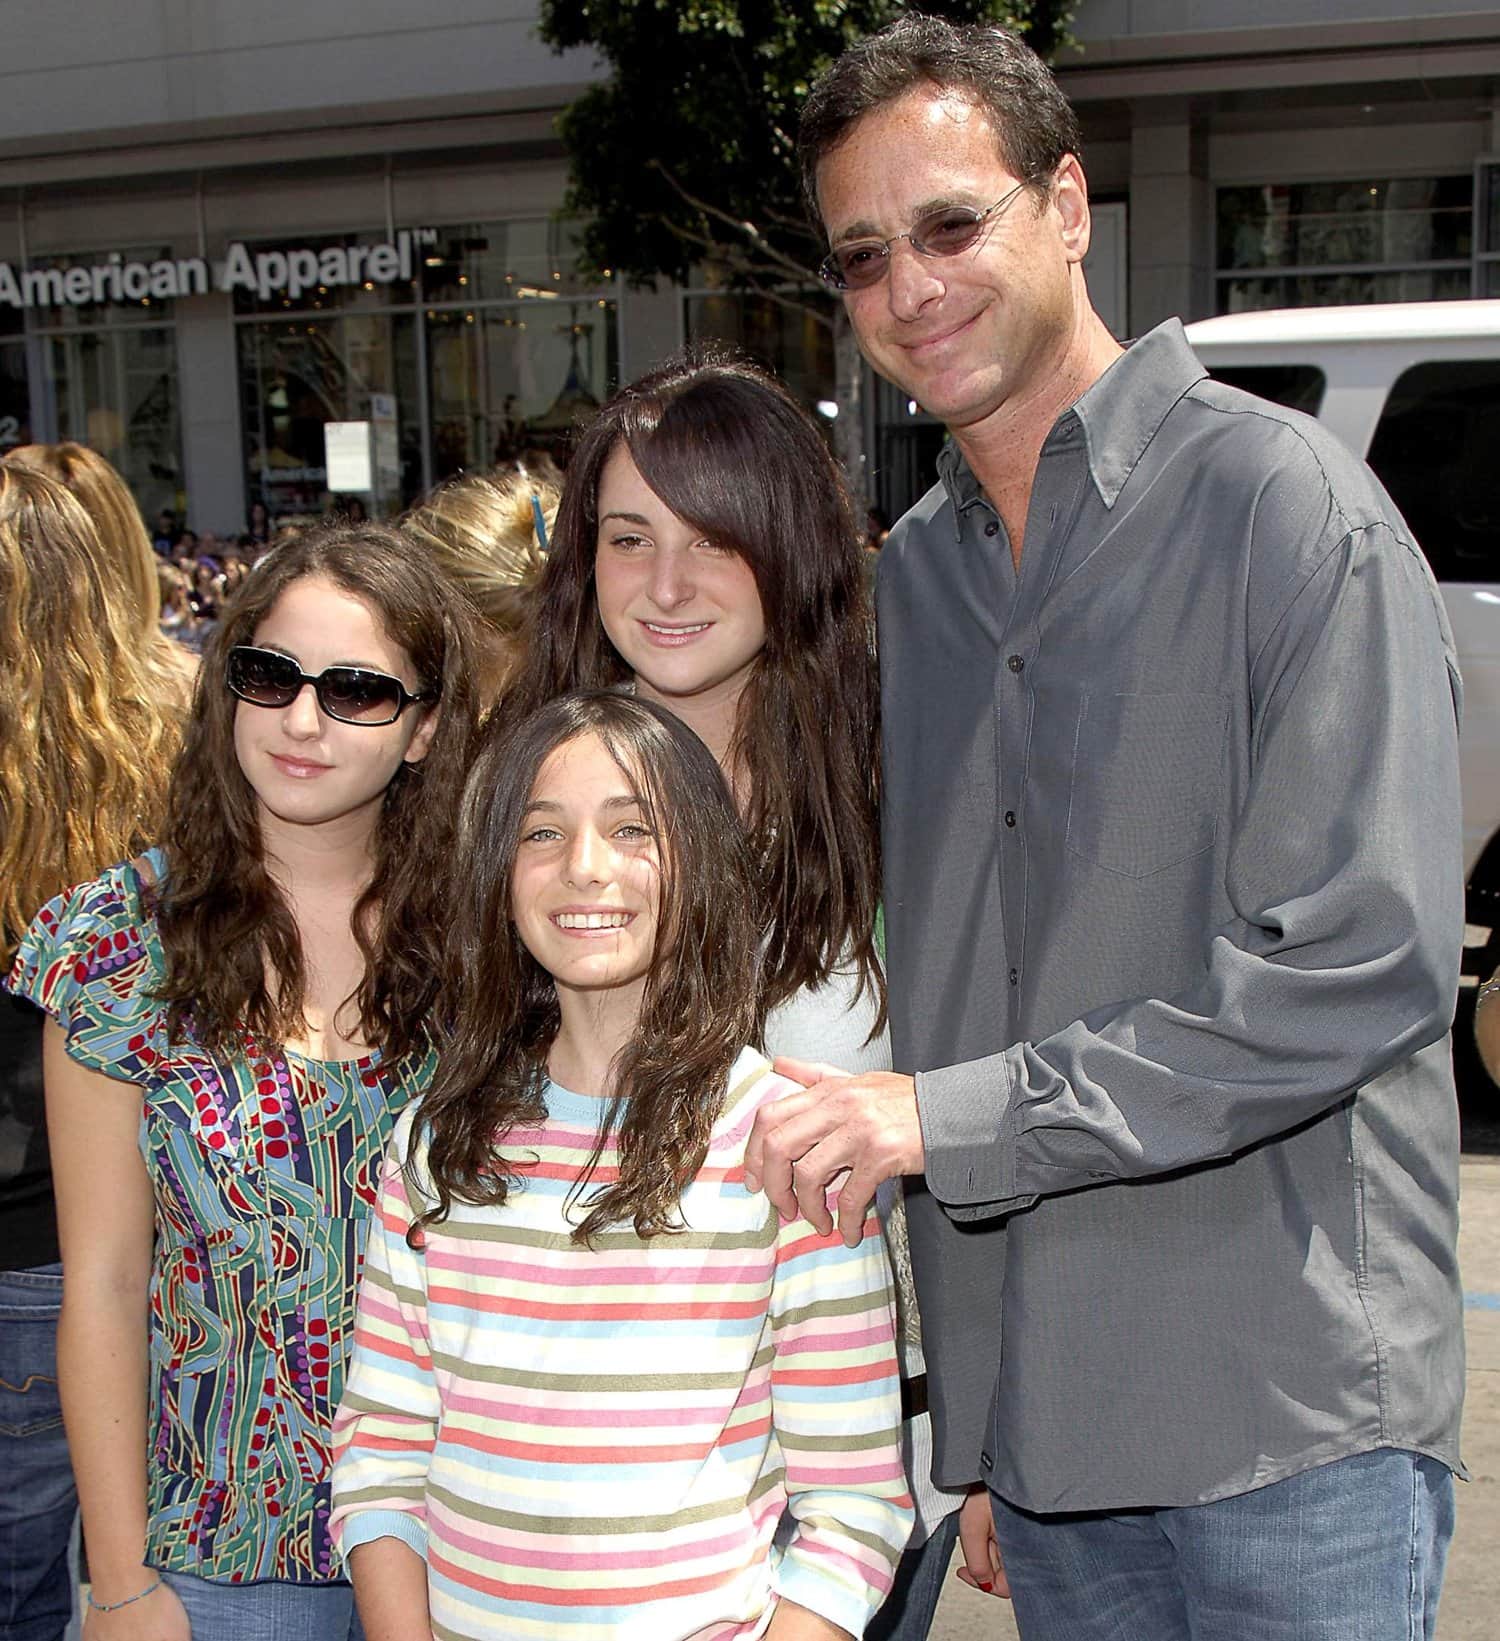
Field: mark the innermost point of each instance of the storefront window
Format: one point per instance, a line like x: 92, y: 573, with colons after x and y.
x: 297, y: 375
x: 115, y: 390
x: 514, y: 379
x: 331, y: 273
x: 1377, y: 240
x: 534, y: 259
x: 1324, y: 290
x: 788, y: 339
x: 109, y: 371
x: 15, y: 399
x: 494, y: 348
x: 55, y: 315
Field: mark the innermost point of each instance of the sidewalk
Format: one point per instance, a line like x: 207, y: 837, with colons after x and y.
x: 1471, y: 1595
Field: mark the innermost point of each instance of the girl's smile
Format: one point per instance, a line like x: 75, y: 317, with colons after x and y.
x: 683, y: 612
x: 585, y: 888
x: 587, y: 922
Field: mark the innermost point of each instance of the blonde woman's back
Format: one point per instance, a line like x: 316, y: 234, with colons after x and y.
x: 89, y: 723
x: 127, y: 563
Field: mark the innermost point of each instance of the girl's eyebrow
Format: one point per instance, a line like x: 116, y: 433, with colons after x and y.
x: 552, y: 807
x: 625, y: 518
x: 353, y: 666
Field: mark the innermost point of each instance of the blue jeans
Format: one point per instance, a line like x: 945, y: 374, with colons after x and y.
x: 267, y: 1609
x: 38, y: 1503
x: 1350, y: 1551
x: 908, y: 1611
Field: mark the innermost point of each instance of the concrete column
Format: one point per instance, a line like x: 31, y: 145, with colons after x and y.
x: 1171, y: 218
x: 213, y: 451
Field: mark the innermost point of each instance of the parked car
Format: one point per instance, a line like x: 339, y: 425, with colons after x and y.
x: 1414, y: 388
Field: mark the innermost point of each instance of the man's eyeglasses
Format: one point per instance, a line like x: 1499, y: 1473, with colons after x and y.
x: 353, y: 695
x: 949, y: 232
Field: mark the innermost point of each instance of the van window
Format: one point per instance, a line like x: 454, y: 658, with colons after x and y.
x: 1298, y: 387
x: 1437, y: 450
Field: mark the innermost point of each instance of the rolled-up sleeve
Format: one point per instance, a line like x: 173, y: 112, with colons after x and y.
x: 387, y: 1422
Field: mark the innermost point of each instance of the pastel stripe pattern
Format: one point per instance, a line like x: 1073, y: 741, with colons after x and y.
x: 264, y: 1166
x: 591, y: 1443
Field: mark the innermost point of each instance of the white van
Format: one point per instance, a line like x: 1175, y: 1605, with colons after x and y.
x: 1414, y: 388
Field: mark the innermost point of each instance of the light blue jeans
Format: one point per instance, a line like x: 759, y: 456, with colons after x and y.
x: 1350, y: 1551
x: 269, y: 1609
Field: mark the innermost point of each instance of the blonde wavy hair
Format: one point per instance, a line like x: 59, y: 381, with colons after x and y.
x: 481, y: 531
x: 88, y: 731
x: 127, y: 559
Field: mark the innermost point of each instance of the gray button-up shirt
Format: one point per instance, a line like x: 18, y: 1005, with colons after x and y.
x: 1174, y: 906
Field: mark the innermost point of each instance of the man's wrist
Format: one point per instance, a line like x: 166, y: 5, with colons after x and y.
x: 964, y: 1114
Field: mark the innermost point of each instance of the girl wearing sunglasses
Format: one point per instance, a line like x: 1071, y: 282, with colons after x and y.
x: 237, y: 1018
x: 706, y: 555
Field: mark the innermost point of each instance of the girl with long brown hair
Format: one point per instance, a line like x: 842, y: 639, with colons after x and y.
x: 238, y: 1016
x: 591, y: 1371
x: 705, y: 552
x: 707, y: 555
x: 88, y: 731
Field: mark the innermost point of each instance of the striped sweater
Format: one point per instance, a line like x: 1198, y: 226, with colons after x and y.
x: 591, y: 1443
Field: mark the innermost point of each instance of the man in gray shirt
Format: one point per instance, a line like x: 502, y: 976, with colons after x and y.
x: 1174, y: 911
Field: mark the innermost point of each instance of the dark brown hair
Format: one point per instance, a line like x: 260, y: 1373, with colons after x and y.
x: 699, y: 1007
x: 224, y: 923
x: 729, y: 450
x: 992, y: 67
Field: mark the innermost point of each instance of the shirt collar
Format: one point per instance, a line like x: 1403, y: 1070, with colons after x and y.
x: 1120, y: 415
x: 1123, y: 411
x: 959, y: 482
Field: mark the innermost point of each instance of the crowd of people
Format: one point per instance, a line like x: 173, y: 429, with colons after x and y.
x: 581, y: 1098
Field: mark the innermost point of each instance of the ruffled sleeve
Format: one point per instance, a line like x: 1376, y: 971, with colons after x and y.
x: 89, y: 960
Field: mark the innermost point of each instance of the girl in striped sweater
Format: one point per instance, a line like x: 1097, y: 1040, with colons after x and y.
x: 591, y: 1371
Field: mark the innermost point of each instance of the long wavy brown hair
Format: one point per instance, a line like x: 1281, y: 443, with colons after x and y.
x: 88, y: 729
x: 225, y: 925
x: 729, y: 450
x: 700, y: 1005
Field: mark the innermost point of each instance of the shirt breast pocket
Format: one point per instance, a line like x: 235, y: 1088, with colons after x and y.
x: 1147, y: 770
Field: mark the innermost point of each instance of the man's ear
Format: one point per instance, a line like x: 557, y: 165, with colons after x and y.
x: 1070, y: 198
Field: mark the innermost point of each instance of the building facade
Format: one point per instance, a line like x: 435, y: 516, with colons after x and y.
x: 223, y: 228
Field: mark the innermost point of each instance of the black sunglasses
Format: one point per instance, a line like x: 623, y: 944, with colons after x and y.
x: 948, y: 232
x: 353, y: 695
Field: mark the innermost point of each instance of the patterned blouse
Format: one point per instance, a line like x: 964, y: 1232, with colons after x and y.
x: 265, y: 1168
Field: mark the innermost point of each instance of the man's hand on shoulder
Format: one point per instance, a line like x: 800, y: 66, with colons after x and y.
x: 864, y: 1127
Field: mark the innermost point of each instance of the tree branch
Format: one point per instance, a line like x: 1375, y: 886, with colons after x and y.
x: 790, y: 268
x: 753, y: 275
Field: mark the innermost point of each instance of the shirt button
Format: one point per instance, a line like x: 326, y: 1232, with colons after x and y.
x: 1015, y: 662
x: 1010, y: 817
x: 1015, y: 975
x: 992, y: 528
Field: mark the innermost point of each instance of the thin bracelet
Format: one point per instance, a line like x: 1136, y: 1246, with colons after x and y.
x: 130, y: 1600
x: 1489, y: 988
